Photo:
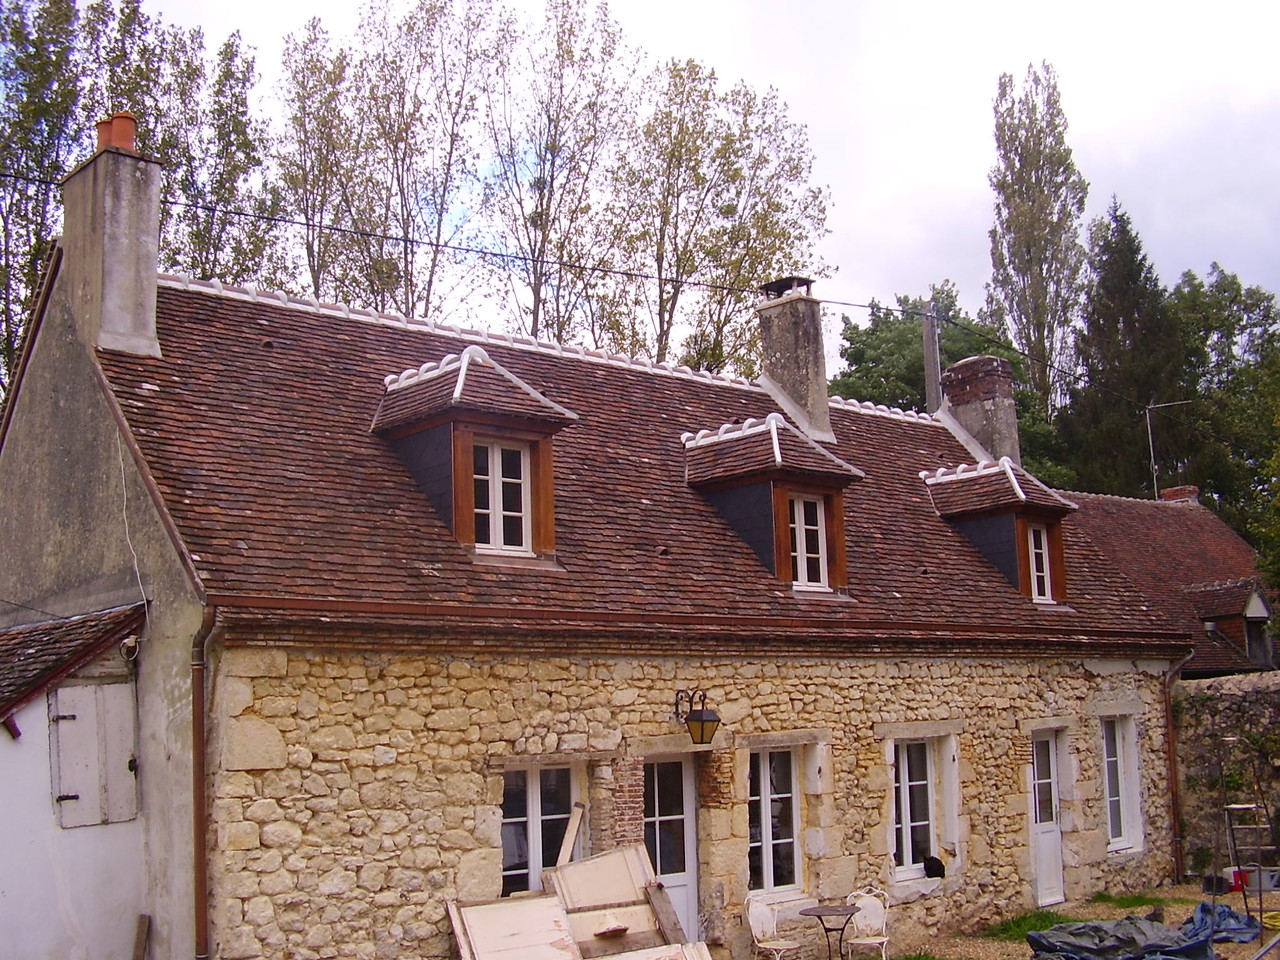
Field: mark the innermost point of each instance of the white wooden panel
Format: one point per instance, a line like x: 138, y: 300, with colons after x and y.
x: 78, y: 780
x: 116, y: 711
x: 518, y: 928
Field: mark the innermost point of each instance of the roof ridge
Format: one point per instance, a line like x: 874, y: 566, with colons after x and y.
x: 1221, y: 584
x: 280, y: 298
x: 1118, y: 496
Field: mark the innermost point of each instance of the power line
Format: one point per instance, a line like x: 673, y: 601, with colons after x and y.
x: 637, y: 275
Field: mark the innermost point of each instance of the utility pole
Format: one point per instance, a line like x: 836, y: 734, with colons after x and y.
x: 932, y: 360
x: 1151, y: 446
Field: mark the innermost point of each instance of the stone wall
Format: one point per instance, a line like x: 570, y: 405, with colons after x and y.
x: 1228, y: 752
x: 354, y: 793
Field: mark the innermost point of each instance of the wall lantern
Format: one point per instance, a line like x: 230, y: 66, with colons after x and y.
x: 702, y: 723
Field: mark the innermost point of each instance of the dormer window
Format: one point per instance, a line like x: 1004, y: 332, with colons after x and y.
x: 1039, y: 565
x: 808, y: 529
x: 477, y: 440
x: 504, y: 518
x: 1012, y: 518
x: 781, y: 492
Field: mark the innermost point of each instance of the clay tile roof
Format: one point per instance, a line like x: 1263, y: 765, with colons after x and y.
x: 255, y: 427
x: 470, y: 382
x: 35, y: 657
x: 1222, y: 598
x: 757, y: 448
x: 1167, y: 547
x: 989, y: 487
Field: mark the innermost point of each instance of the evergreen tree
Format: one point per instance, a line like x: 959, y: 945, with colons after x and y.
x: 1036, y: 255
x: 1131, y: 354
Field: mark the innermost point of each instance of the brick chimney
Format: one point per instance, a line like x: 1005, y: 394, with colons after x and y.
x: 978, y: 395
x: 1181, y: 494
x: 111, y: 241
x: 794, y: 365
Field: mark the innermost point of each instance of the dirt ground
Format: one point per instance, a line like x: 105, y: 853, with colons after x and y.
x: 984, y: 948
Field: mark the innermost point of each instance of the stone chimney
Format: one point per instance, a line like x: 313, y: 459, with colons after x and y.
x: 111, y: 241
x: 1186, y: 494
x: 978, y: 395
x: 794, y: 368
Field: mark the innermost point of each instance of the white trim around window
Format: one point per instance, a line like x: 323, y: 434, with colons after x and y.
x: 773, y: 810
x: 503, y: 497
x: 808, y: 525
x: 1039, y: 555
x: 924, y: 798
x: 1120, y: 783
x: 537, y: 803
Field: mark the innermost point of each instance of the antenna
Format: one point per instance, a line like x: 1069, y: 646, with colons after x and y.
x: 1151, y: 447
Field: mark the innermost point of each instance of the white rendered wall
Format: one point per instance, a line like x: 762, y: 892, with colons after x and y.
x: 65, y: 894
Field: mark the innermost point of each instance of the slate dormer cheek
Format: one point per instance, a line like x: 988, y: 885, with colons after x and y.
x: 781, y: 492
x: 1013, y: 519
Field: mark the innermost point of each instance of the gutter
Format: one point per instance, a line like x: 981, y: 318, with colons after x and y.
x: 199, y: 793
x: 1171, y: 747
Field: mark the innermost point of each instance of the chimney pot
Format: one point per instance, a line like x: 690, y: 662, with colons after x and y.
x: 1181, y: 494
x: 120, y: 130
x: 794, y: 370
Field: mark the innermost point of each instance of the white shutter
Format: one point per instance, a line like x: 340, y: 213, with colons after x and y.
x: 77, y: 790
x: 115, y: 709
x: 93, y: 730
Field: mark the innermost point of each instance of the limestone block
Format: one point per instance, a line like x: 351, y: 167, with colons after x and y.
x: 479, y: 875
x: 253, y: 744
x: 235, y: 695
x: 452, y: 718
x: 240, y: 943
x: 337, y: 882
x: 240, y: 835
x: 281, y: 833
x: 333, y: 741
x: 259, y: 911
x: 255, y: 662
x: 263, y: 811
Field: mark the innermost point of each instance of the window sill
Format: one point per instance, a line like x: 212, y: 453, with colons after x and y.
x: 1121, y: 847
x: 807, y: 592
x: 516, y: 561
x: 787, y: 904
x: 908, y: 888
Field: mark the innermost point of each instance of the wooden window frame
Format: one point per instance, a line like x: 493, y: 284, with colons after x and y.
x: 833, y: 517
x: 541, y: 486
x: 762, y: 824
x: 1057, y: 564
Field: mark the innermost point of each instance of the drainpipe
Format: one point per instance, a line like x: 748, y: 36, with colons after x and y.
x: 199, y: 796
x: 1171, y: 743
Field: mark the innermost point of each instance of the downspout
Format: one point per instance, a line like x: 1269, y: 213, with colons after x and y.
x: 1171, y: 744
x: 199, y: 795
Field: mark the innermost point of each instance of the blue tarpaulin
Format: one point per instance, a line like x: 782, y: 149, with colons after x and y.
x: 1221, y: 923
x: 1131, y: 938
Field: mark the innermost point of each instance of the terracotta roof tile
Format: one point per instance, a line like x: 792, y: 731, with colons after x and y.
x: 1167, y: 547
x: 36, y: 656
x: 255, y: 425
x: 989, y: 487
x: 771, y: 445
x: 470, y: 381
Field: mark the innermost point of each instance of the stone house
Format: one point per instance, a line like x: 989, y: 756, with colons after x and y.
x: 409, y: 593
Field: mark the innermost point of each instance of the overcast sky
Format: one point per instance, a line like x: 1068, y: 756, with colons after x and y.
x: 1172, y: 107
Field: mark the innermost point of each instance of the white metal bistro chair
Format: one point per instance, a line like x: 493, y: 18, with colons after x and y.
x: 867, y: 928
x: 764, y: 930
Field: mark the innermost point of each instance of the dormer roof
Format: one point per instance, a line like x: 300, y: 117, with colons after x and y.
x: 1241, y: 597
x: 990, y: 487
x: 470, y: 382
x: 759, y: 449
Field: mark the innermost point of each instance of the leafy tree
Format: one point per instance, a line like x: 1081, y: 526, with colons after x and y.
x: 1132, y: 354
x: 715, y: 189
x: 1036, y: 255
x: 312, y: 155
x: 40, y: 107
x: 555, y: 114
x: 224, y: 227
x: 884, y: 360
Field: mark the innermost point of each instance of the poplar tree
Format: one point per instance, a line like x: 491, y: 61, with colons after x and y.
x: 1036, y: 254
